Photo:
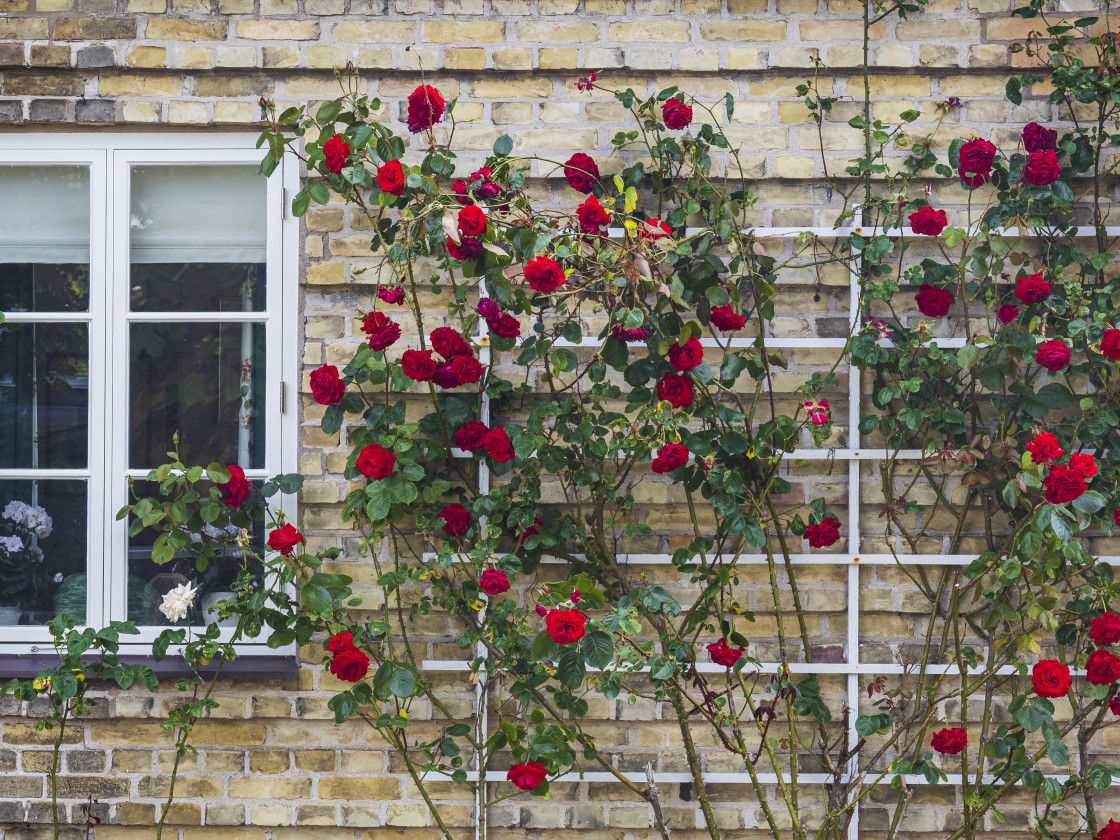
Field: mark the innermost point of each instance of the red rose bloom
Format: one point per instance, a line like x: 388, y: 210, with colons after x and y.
x: 1110, y: 344
x: 723, y: 654
x: 1050, y: 678
x: 1105, y: 629
x: 456, y: 520
x: 686, y: 356
x: 497, y: 445
x: 376, y: 462
x: 1114, y: 707
x: 1007, y: 313
x: 1032, y: 289
x: 470, y: 435
x: 529, y: 532
x: 527, y: 775
x: 1042, y: 168
x: 676, y: 114
x: 382, y: 332
x: 544, y: 275
x: 1112, y: 830
x: 326, y: 386
x: 581, y: 172
x: 467, y: 248
x: 824, y: 533
x: 340, y: 641
x: 390, y: 177
x: 1044, y: 447
x: 949, y: 741
x: 932, y: 301
x: 350, y: 665
x: 460, y: 190
x: 1052, y: 355
x: 425, y: 108
x: 676, y: 390
x: 472, y: 221
x: 418, y: 365
x: 237, y: 489
x: 493, y: 582
x: 671, y: 456
x: 1083, y: 465
x: 592, y: 217
x: 1102, y: 668
x: 928, y: 222
x: 726, y: 319
x: 504, y: 326
x: 448, y: 343
x: 444, y: 378
x: 976, y: 159
x: 654, y: 229
x: 336, y: 151
x: 466, y: 370
x: 284, y: 539
x: 1036, y: 138
x: 391, y: 294
x: 565, y: 626
x: 1063, y: 485
x: 1116, y: 517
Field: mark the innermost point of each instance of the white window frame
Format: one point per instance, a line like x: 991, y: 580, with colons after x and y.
x: 110, y: 157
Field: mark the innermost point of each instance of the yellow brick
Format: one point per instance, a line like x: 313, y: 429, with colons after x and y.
x: 649, y: 31
x: 558, y: 58
x: 379, y: 32
x: 127, y: 84
x: 235, y: 112
x: 141, y: 112
x: 177, y: 29
x: 963, y: 29
x: 460, y: 58
x: 188, y: 112
x: 278, y: 30
x: 513, y: 58
x: 360, y: 788
x: 892, y: 85
x: 496, y: 88
x: 146, y: 57
x: 136, y: 6
x: 249, y: 788
x: 452, y: 32
x: 190, y: 58
x: 557, y: 33
x: 334, y: 57
x: 326, y: 273
x: 743, y: 30
x: 794, y: 167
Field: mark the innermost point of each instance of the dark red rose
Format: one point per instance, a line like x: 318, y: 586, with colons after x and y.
x: 976, y: 159
x: 949, y: 741
x: 928, y: 222
x: 459, y: 188
x: 326, y: 386
x: 390, y: 177
x: 932, y: 301
x: 654, y: 229
x: 527, y: 776
x: 1044, y: 447
x: 1083, y: 465
x: 1036, y: 138
x: 686, y: 356
x: 1114, y: 707
x: 382, y: 332
x: 629, y: 335
x: 565, y: 626
x: 493, y: 582
x: 1102, y: 668
x: 1007, y: 313
x: 284, y: 539
x: 391, y: 294
x: 504, y: 326
x: 336, y: 151
x: 677, y: 390
x: 1063, y: 485
x: 1032, y: 289
x: 824, y: 533
x: 425, y: 108
x: 497, y: 445
x: 544, y: 275
x: 444, y: 378
x: 1050, y: 678
x: 1112, y: 830
x: 1105, y: 629
x: 1052, y: 355
x: 671, y: 456
x: 472, y: 221
x: 340, y: 641
x: 676, y: 114
x: 448, y: 343
x: 237, y: 489
x: 1116, y: 517
x: 592, y: 217
x: 350, y: 665
x: 418, y: 365
x: 726, y: 319
x: 1042, y: 168
x: 467, y: 248
x: 456, y: 520
x: 1110, y: 344
x: 376, y: 462
x: 488, y: 308
x: 470, y: 435
x: 581, y: 172
x: 529, y: 532
x: 723, y: 654
x: 466, y: 370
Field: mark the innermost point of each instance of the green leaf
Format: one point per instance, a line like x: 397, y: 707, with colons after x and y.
x: 570, y: 669
x: 402, y: 683
x: 597, y: 649
x: 300, y: 202
x: 1014, y: 89
x: 544, y: 649
x: 1058, y: 752
x: 503, y: 145
x: 319, y: 192
x: 316, y: 599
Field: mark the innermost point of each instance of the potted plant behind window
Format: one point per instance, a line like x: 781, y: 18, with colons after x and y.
x: 21, y: 527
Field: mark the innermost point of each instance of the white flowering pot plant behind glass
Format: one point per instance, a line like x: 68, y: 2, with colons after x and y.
x: 23, y: 576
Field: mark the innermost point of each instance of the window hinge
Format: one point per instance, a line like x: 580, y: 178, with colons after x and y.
x: 283, y: 204
x: 283, y: 397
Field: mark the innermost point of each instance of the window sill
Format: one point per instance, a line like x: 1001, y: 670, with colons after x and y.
x: 248, y: 666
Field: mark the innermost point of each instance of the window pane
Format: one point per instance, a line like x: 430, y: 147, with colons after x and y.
x: 197, y: 238
x: 42, y: 550
x: 44, y: 396
x: 204, y: 381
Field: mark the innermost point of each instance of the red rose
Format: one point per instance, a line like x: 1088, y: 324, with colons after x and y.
x: 336, y: 151
x: 824, y: 533
x: 671, y: 456
x: 456, y: 520
x: 1105, y: 629
x: 504, y: 326
x: 1112, y: 830
x: 629, y: 335
x: 723, y: 654
x: 340, y: 642
x: 686, y: 356
x: 949, y: 741
x: 493, y: 582
x: 1032, y: 289
x: 726, y: 319
x: 1042, y: 168
x: 1050, y: 678
x: 460, y: 190
x: 1037, y: 138
x: 467, y: 248
x: 1083, y: 465
x: 470, y: 435
x: 528, y: 532
x: 382, y: 332
x: 1110, y: 344
x: 592, y: 217
x: 677, y: 390
x: 1007, y: 313
x: 284, y: 539
x: 676, y: 114
x: 581, y: 172
x: 350, y: 665
x: 976, y: 159
x: 449, y: 343
x: 497, y: 445
x: 565, y: 626
x: 466, y: 370
x: 928, y: 222
x: 932, y: 301
x: 1102, y: 668
x: 425, y: 108
x: 391, y: 294
x: 1114, y: 707
x: 418, y: 365
x: 544, y: 275
x: 1044, y: 447
x: 1063, y: 485
x: 444, y: 378
x: 237, y: 489
x: 472, y: 221
x: 654, y: 229
x: 1052, y: 355
x: 326, y: 386
x: 376, y: 462
x: 390, y: 177
x: 527, y: 776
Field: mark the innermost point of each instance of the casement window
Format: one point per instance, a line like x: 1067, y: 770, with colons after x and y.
x: 148, y: 286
